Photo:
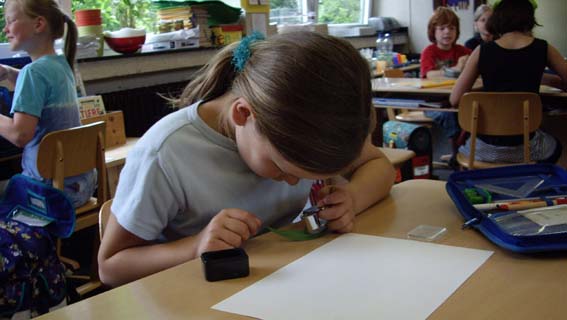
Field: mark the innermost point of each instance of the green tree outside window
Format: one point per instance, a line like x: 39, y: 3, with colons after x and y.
x: 339, y: 11
x: 115, y: 14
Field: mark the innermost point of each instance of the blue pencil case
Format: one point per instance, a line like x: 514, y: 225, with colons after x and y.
x: 521, y: 208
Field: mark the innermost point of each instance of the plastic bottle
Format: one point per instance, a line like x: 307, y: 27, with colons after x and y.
x: 387, y: 43
x: 388, y: 47
x: 380, y: 44
x: 384, y: 47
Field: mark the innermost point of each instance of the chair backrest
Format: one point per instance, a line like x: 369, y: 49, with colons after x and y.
x: 73, y: 151
x: 103, y: 216
x: 115, y: 133
x: 500, y: 114
x: 393, y: 73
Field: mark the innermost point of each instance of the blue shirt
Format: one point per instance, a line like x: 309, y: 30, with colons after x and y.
x: 46, y: 89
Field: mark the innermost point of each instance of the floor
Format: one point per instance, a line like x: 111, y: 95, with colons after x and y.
x: 440, y: 147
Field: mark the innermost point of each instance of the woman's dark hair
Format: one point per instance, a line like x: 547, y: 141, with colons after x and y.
x: 510, y: 16
x: 311, y: 96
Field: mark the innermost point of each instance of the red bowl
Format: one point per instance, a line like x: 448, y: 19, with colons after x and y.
x: 125, y: 45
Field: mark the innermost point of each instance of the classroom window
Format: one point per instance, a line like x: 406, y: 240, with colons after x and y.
x: 113, y: 13
x: 328, y: 11
x: 121, y: 13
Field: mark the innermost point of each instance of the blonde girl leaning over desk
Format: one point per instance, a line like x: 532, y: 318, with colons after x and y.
x: 45, y: 98
x: 514, y: 62
x: 263, y: 119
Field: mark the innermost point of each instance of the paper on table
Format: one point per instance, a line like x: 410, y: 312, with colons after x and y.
x: 423, y: 84
x: 360, y: 277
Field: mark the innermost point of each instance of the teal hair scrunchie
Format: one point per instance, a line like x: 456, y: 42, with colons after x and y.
x: 241, y: 54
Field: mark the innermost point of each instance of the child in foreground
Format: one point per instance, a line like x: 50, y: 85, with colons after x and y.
x: 263, y: 119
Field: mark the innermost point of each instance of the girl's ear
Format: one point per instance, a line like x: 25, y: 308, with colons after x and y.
x: 40, y: 24
x: 241, y: 111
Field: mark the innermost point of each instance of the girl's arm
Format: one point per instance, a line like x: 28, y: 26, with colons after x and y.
x: 467, y: 78
x: 371, y: 179
x: 9, y: 74
x: 369, y: 182
x: 557, y: 63
x: 18, y: 130
x: 124, y: 257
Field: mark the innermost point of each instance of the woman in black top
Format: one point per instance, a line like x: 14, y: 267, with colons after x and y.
x: 514, y: 62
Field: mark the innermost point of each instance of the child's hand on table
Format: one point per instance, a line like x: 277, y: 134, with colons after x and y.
x: 230, y: 228
x: 339, y: 212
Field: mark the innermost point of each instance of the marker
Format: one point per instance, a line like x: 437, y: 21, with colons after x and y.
x: 521, y: 204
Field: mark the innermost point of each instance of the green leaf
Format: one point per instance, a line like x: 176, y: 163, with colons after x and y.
x: 297, y: 235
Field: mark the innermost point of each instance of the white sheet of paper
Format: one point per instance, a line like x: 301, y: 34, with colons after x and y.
x: 360, y: 277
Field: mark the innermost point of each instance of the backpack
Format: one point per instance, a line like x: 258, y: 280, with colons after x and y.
x: 32, y: 216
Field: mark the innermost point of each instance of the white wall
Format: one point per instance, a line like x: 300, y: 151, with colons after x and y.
x: 415, y: 15
x: 552, y: 14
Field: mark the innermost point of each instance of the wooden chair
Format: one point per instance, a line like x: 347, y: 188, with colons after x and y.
x: 418, y: 117
x: 498, y: 114
x: 71, y: 152
x: 103, y: 216
x: 117, y: 146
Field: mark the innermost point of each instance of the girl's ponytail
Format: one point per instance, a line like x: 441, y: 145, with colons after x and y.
x: 70, y: 41
x: 212, y: 81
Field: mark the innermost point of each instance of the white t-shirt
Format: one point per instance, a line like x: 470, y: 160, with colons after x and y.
x: 181, y: 173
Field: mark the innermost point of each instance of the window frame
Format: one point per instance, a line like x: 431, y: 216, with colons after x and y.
x: 365, y: 6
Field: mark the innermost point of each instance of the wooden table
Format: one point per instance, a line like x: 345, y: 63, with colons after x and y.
x: 115, y: 158
x: 397, y: 156
x: 409, y: 68
x: 507, y: 286
x: 406, y: 87
x: 410, y: 88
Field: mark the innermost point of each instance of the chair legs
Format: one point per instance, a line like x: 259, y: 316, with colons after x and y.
x: 89, y: 281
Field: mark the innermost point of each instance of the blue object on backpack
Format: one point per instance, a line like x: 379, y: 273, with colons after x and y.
x: 31, y: 275
x: 42, y: 200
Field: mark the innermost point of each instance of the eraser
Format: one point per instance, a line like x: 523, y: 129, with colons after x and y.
x: 225, y: 264
x: 427, y: 233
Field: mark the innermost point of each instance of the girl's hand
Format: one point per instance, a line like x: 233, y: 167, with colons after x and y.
x: 339, y: 208
x: 230, y: 228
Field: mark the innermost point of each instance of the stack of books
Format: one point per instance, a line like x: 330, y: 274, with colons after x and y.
x: 175, y: 18
x: 200, y: 19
